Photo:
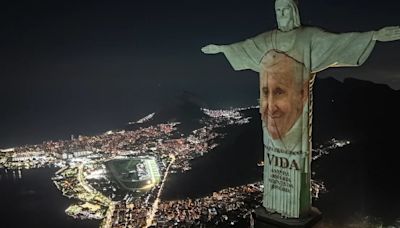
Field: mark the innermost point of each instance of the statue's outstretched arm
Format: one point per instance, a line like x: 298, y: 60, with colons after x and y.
x: 390, y: 33
x: 212, y: 49
x: 242, y: 55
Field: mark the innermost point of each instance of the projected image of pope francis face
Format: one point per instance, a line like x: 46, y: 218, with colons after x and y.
x: 283, y: 93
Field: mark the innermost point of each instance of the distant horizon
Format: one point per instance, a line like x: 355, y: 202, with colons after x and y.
x: 114, y: 124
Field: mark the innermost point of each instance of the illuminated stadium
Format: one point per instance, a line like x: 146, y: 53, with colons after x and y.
x: 134, y: 174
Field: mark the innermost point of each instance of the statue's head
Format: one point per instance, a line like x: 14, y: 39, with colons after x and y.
x: 287, y: 15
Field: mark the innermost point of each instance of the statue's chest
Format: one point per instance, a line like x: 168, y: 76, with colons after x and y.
x: 283, y: 41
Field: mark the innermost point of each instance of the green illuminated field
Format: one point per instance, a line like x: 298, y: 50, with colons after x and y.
x: 127, y: 175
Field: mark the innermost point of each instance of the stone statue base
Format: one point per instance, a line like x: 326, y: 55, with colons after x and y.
x: 264, y: 219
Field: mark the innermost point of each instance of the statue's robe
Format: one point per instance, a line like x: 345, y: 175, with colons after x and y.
x: 287, y: 187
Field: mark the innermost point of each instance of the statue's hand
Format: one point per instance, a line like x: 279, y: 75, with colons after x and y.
x: 211, y: 49
x: 390, y: 33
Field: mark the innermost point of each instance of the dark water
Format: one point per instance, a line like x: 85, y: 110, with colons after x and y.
x: 232, y: 163
x: 34, y: 201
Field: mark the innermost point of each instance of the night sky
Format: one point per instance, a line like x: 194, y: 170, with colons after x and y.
x: 83, y: 67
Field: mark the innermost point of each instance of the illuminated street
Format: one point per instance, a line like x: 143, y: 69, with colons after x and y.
x: 154, y: 208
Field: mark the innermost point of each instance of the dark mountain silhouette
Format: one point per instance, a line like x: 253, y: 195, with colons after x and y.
x: 185, y: 108
x: 361, y: 177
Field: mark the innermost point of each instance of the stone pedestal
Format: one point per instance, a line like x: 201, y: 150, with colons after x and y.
x: 264, y: 219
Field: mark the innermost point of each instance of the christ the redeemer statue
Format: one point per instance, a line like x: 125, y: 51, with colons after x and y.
x: 287, y: 60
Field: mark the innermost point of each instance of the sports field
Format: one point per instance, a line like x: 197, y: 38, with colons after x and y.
x: 133, y: 174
